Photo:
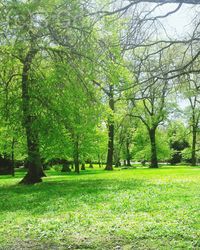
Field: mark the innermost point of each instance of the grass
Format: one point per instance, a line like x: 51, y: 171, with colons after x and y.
x: 124, y: 209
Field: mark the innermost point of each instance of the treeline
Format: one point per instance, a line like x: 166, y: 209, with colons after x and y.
x: 79, y: 85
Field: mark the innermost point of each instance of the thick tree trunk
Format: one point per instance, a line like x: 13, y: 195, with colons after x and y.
x: 35, y: 171
x: 109, y: 163
x: 128, y: 160
x: 154, y: 160
x: 76, y: 164
x: 194, y: 139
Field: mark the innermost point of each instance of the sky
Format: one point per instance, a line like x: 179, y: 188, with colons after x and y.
x: 179, y: 23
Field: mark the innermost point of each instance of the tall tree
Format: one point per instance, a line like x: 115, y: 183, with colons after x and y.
x: 32, y: 37
x: 191, y: 90
x: 112, y: 76
x: 150, y: 98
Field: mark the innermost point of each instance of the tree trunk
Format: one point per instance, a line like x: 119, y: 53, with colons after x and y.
x: 65, y: 167
x: 76, y: 164
x: 76, y: 155
x: 35, y: 171
x: 117, y: 163
x: 194, y: 139
x: 128, y: 155
x: 99, y: 161
x: 13, y: 157
x: 152, y: 135
x: 128, y: 162
x: 109, y: 163
x: 83, y: 166
x: 91, y: 165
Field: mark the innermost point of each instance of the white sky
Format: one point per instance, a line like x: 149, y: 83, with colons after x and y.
x: 179, y: 23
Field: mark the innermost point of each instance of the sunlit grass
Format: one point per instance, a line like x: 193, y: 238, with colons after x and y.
x: 124, y: 209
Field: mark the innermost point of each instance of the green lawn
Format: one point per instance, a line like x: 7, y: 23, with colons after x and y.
x: 124, y: 209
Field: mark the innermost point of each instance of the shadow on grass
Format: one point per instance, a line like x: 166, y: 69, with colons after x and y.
x: 19, y: 173
x: 38, y: 198
x: 69, y: 191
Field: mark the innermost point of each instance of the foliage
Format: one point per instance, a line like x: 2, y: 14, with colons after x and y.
x: 141, y: 146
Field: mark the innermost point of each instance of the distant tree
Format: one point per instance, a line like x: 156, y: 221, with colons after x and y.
x: 141, y: 148
x: 112, y: 77
x: 191, y: 91
x: 178, y: 139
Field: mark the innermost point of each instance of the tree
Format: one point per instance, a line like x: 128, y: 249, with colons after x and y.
x: 125, y: 129
x: 150, y: 104
x: 112, y: 76
x: 141, y: 146
x: 31, y: 36
x: 9, y: 111
x: 191, y: 92
x: 178, y: 140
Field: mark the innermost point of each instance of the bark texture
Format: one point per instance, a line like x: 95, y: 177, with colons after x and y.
x: 154, y: 160
x: 194, y: 141
x: 109, y: 162
x: 35, y: 170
